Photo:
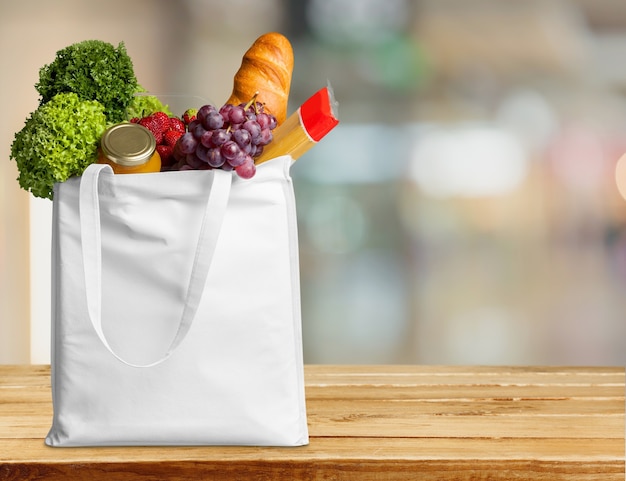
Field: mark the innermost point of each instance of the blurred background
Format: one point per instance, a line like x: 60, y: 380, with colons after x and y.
x: 465, y: 211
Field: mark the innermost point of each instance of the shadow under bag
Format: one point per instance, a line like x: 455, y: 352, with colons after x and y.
x: 176, y: 309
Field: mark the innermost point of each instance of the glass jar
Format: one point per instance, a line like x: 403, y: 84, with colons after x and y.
x: 129, y: 149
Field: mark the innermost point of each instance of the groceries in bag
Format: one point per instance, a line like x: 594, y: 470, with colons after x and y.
x: 65, y: 134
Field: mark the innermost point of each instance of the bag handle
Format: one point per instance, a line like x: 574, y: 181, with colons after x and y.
x: 91, y: 241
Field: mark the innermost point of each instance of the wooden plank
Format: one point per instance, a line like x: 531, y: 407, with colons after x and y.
x: 445, y: 375
x: 386, y: 419
x: 343, y: 410
x: 431, y: 470
x: 503, y: 419
x: 350, y: 370
x: 24, y: 375
x: 374, y: 374
x: 362, y: 418
x: 368, y: 423
x: 454, y: 407
x: 442, y: 383
x: 332, y: 449
x: 443, y: 393
x: 360, y: 459
x: 40, y: 396
x: 40, y: 374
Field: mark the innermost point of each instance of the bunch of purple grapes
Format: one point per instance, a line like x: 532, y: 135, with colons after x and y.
x: 229, y: 138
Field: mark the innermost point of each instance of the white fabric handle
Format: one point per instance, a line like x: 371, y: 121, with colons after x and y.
x: 217, y: 200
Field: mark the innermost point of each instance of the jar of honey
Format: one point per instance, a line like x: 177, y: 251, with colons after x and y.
x: 129, y: 149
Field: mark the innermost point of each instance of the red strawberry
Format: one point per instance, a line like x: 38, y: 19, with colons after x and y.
x: 153, y: 126
x: 165, y: 151
x: 177, y: 124
x: 171, y: 137
x: 189, y: 115
x: 163, y: 120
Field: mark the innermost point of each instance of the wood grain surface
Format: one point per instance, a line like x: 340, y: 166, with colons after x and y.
x: 367, y: 423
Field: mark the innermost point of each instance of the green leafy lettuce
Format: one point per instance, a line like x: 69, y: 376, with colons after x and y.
x: 59, y: 140
x: 143, y: 104
x: 94, y: 70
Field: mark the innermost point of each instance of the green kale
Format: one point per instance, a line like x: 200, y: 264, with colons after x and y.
x: 94, y: 70
x: 59, y: 140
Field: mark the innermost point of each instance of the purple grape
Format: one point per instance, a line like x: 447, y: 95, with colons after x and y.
x: 200, y: 115
x: 193, y: 124
x: 263, y: 120
x: 225, y: 112
x: 205, y: 139
x: 266, y: 137
x: 228, y: 138
x: 176, y: 152
x: 220, y: 137
x: 193, y: 161
x: 213, y: 121
x: 198, y: 131
x: 237, y: 115
x: 239, y: 159
x: 254, y: 149
x: 255, y: 130
x: 247, y: 169
x: 242, y: 137
x: 187, y: 143
x: 230, y: 150
x: 204, y: 111
x: 202, y: 153
x: 214, y: 158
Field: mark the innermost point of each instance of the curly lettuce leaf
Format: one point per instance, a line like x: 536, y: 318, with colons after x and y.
x: 144, y: 104
x: 59, y: 140
x: 94, y: 70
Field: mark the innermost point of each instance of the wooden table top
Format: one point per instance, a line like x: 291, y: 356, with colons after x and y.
x: 367, y: 423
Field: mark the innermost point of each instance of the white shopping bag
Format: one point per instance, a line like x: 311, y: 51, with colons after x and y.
x: 176, y: 310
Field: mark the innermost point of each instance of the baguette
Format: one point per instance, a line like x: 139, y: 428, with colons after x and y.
x: 266, y: 70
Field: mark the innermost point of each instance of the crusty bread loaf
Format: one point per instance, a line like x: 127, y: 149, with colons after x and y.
x: 266, y: 68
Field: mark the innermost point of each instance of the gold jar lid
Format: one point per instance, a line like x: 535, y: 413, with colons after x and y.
x: 128, y: 144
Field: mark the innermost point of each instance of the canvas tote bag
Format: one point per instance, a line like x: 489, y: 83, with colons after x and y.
x: 176, y: 310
